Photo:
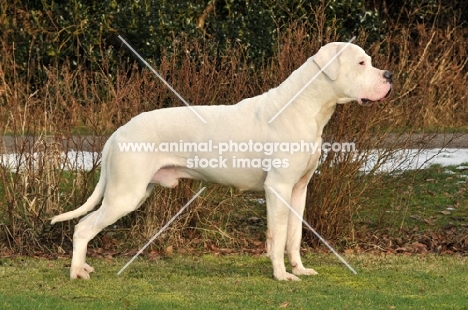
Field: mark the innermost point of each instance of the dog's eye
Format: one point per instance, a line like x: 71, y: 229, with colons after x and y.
x: 362, y: 63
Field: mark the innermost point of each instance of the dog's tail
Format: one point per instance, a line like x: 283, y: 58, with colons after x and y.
x: 97, y: 194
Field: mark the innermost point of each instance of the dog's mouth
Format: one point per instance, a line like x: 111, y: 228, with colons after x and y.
x: 366, y: 101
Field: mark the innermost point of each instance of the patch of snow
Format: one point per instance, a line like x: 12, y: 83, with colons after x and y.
x: 72, y: 160
x: 411, y: 159
x: 408, y: 159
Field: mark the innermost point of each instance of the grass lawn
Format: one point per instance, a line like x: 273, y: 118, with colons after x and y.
x: 238, y: 282
x: 432, y: 200
x: 425, y: 200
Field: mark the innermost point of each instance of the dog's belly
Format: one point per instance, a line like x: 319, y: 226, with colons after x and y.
x: 240, y: 178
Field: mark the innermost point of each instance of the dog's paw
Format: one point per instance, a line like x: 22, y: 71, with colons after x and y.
x: 81, y: 272
x: 302, y: 271
x: 88, y: 268
x: 286, y: 276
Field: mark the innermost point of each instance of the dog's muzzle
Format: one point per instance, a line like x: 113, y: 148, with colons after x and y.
x: 389, y: 78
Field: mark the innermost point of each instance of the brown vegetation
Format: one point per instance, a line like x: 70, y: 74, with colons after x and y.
x: 431, y: 75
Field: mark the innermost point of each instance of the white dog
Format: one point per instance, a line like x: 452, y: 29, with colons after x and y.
x: 343, y: 73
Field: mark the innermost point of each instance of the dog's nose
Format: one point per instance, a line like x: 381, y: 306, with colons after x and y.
x: 388, y: 75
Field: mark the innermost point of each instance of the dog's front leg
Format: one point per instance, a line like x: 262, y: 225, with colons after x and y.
x: 277, y: 221
x: 298, y: 201
x: 293, y: 243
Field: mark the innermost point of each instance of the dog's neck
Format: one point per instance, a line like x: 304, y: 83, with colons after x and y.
x: 309, y: 111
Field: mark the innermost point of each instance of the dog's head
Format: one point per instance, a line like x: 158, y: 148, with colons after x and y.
x: 348, y: 66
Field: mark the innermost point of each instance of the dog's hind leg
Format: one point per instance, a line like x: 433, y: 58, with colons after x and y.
x: 113, y: 208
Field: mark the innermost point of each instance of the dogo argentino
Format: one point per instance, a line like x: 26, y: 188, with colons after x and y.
x: 127, y: 178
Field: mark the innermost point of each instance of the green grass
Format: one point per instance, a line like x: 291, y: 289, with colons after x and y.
x: 411, y: 201
x: 428, y: 199
x: 238, y: 282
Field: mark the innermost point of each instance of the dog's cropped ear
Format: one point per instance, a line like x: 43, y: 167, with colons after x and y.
x: 327, y: 61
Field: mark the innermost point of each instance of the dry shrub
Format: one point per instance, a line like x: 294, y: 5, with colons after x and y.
x: 430, y: 74
x: 40, y: 123
x: 219, y: 217
x: 39, y: 181
x: 428, y: 94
